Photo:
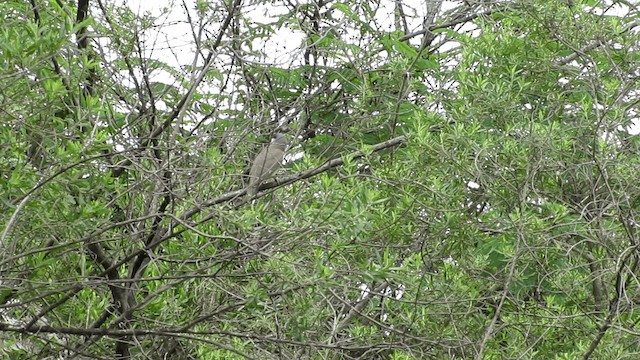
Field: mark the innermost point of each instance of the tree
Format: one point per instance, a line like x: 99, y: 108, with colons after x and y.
x: 462, y: 181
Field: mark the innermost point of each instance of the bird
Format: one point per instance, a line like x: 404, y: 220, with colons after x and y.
x: 266, y: 163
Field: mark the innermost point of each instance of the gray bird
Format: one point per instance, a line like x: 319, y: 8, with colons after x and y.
x: 266, y: 163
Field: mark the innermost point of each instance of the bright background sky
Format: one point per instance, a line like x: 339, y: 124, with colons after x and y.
x: 173, y: 43
x: 177, y: 32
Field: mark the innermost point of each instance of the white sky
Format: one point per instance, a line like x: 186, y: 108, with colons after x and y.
x: 177, y: 32
x: 173, y: 44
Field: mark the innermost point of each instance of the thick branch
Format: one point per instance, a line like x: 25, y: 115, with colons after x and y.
x: 286, y: 180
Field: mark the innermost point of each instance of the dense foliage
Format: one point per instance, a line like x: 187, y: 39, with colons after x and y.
x: 462, y: 180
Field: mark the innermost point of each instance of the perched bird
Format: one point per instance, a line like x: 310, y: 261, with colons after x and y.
x: 266, y: 163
